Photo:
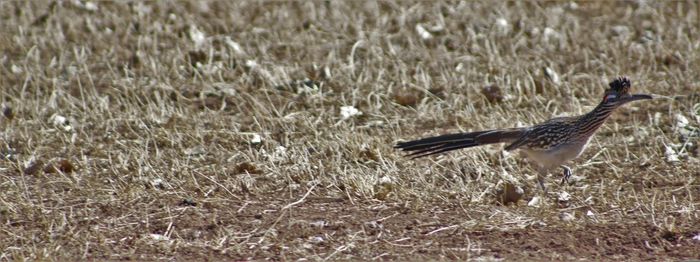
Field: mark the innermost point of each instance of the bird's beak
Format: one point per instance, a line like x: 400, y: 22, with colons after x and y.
x: 634, y: 97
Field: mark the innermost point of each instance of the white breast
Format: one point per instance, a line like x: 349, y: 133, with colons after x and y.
x: 555, y: 156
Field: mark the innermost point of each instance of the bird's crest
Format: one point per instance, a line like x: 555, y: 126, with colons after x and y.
x: 621, y: 85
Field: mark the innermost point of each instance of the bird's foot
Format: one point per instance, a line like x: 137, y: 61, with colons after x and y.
x: 540, y: 181
x: 567, y: 175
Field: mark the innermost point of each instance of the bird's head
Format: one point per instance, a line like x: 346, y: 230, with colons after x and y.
x: 618, y: 93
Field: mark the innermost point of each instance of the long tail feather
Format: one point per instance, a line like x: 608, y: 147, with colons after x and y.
x: 439, y: 144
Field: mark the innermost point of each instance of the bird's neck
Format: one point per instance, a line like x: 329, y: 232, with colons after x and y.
x: 591, y: 121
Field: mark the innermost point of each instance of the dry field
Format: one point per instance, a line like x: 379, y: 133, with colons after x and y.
x: 252, y: 130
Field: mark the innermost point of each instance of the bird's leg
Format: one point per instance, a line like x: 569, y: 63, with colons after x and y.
x: 541, y: 175
x: 540, y: 181
x: 567, y: 174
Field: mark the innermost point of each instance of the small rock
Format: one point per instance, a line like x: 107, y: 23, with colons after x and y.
x: 33, y: 166
x: 566, y: 216
x: 696, y: 237
x: 195, y: 151
x: 246, y: 167
x: 236, y: 47
x: 510, y: 193
x: 319, y: 223
x: 406, y: 99
x: 250, y: 64
x: 198, y: 37
x: 383, y: 188
x: 492, y: 93
x: 673, y: 60
x: 158, y: 183
x: 534, y: 202
x: 385, y: 180
x: 671, y: 155
x: 257, y: 139
x: 188, y: 202
x: 8, y: 154
x: 16, y: 69
x: 197, y: 57
x: 620, y: 30
x: 7, y: 112
x: 550, y: 33
x: 564, y: 196
x: 681, y: 121
x: 279, y: 154
x: 61, y: 165
x: 316, y: 239
x: 61, y: 122
x: 423, y: 33
x: 349, y: 111
x: 590, y: 214
x: 374, y: 224
x: 552, y: 75
x: 90, y: 6
x: 159, y: 237
x: 657, y: 118
x: 502, y: 23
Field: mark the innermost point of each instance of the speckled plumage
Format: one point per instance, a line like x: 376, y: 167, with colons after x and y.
x: 549, y: 144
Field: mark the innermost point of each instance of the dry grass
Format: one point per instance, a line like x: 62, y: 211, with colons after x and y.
x: 128, y: 130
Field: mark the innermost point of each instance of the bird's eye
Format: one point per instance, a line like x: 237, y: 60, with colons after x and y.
x: 609, y: 96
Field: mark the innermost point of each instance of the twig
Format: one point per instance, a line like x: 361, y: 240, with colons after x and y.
x: 301, y: 199
x: 441, y: 229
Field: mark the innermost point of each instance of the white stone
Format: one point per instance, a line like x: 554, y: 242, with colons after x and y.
x: 534, y: 202
x: 257, y: 139
x: 349, y: 111
x: 422, y: 32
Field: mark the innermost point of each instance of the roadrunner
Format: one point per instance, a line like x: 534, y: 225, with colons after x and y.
x: 548, y: 145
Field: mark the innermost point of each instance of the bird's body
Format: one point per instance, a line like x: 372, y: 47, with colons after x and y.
x: 549, y: 144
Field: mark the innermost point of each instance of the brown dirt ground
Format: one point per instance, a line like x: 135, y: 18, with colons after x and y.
x: 127, y: 130
x: 397, y: 232
x: 336, y: 228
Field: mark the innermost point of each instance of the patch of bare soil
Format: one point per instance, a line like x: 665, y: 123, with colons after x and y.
x: 322, y: 228
x: 265, y: 130
x: 336, y: 228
